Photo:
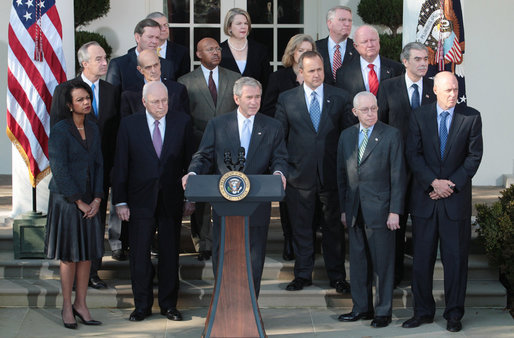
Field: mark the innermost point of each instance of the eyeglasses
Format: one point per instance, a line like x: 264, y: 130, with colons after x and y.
x: 368, y: 110
x: 212, y: 49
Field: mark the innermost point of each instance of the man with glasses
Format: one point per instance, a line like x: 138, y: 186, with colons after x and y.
x: 371, y: 182
x: 210, y: 94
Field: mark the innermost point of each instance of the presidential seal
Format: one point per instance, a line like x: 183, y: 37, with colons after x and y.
x: 234, y: 185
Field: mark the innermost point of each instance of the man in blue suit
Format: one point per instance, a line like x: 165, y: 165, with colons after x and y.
x: 153, y: 151
x: 123, y: 73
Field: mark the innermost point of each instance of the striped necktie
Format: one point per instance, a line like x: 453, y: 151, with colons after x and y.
x: 364, y: 142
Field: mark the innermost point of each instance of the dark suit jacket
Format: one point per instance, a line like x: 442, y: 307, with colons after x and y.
x: 266, y: 155
x: 107, y: 121
x: 394, y: 104
x: 349, y: 76
x: 179, y: 56
x: 131, y: 101
x: 463, y: 153
x: 310, y: 152
x: 257, y: 62
x: 279, y: 81
x: 322, y: 47
x: 378, y: 184
x: 72, y: 162
x: 201, y: 105
x: 123, y: 74
x: 142, y: 177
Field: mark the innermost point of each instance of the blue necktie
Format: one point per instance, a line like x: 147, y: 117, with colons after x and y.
x: 315, y: 111
x: 415, y: 97
x: 246, y: 134
x: 443, y: 132
x: 94, y: 99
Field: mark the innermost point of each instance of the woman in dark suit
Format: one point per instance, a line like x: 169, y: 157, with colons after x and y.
x: 289, y: 76
x: 241, y: 55
x: 280, y: 81
x: 74, y: 233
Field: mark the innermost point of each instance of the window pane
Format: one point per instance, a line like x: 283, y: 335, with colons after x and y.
x: 200, y: 33
x: 284, y: 34
x: 180, y: 35
x: 290, y: 11
x: 207, y: 11
x: 178, y: 11
x: 264, y: 36
x: 260, y: 11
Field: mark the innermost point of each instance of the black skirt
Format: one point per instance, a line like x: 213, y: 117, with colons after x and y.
x: 69, y: 236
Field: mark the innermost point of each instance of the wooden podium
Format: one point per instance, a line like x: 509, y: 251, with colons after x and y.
x: 234, y: 311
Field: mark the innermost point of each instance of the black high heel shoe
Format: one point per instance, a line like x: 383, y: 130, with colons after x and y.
x: 72, y: 326
x: 86, y: 322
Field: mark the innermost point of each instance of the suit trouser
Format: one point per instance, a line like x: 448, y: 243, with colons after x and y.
x: 96, y: 264
x: 201, y: 227
x: 141, y: 269
x: 259, y: 225
x: 371, y: 261
x: 301, y: 206
x: 454, y: 238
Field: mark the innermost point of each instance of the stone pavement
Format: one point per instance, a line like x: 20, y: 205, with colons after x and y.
x: 298, y: 322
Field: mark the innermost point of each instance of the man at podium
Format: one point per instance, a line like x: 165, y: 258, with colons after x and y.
x: 264, y: 151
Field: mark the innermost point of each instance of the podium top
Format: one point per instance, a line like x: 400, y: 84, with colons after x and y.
x: 263, y: 188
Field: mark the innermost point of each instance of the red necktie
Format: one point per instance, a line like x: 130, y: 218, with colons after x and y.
x: 212, y: 89
x: 372, y: 80
x: 336, y: 63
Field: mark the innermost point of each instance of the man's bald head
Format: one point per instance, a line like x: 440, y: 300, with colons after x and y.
x: 446, y: 88
x: 367, y: 42
x: 209, y: 52
x: 149, y: 65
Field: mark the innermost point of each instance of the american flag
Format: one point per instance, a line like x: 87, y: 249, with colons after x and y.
x: 35, y: 67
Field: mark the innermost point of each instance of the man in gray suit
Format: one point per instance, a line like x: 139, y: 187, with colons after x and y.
x: 371, y: 182
x: 265, y: 150
x: 210, y: 94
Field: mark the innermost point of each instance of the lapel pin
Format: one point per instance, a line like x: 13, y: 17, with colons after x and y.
x: 376, y: 139
x: 388, y: 72
x: 427, y: 96
x: 351, y: 53
x: 259, y: 133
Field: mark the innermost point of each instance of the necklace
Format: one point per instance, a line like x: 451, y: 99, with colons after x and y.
x: 82, y: 128
x: 238, y: 49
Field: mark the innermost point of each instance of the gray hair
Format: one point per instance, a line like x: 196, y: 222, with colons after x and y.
x: 311, y: 54
x: 360, y: 95
x: 149, y: 86
x: 405, y: 54
x: 156, y: 15
x: 83, y: 54
x: 245, y: 81
x: 332, y: 11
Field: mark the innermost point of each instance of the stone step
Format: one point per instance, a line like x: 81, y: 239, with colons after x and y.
x: 197, y: 293
x: 275, y: 268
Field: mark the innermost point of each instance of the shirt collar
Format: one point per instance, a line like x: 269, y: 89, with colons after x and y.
x: 370, y: 129
x: 440, y: 110
x: 86, y: 80
x: 364, y: 63
x: 409, y: 82
x: 241, y: 118
x: 332, y: 44
x: 308, y: 90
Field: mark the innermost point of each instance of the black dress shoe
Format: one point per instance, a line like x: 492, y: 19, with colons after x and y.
x: 72, y: 326
x: 172, y: 314
x: 119, y: 255
x: 417, y: 321
x: 204, y: 255
x: 139, y: 315
x: 341, y: 286
x: 96, y: 283
x: 381, y: 321
x: 86, y: 322
x: 454, y: 325
x: 354, y: 316
x: 288, y: 253
x: 298, y: 284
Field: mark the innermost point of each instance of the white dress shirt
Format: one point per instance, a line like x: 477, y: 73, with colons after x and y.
x: 365, y: 70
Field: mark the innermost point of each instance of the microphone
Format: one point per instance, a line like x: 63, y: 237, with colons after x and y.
x: 227, y: 158
x: 241, y: 159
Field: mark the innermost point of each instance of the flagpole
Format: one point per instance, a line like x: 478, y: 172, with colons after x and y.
x: 34, y: 204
